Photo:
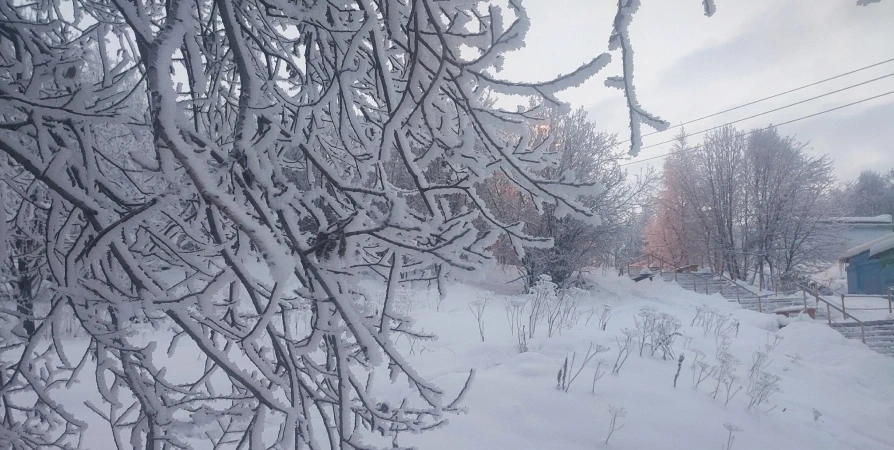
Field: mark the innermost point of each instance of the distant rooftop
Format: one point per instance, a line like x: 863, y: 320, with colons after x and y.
x: 880, y: 245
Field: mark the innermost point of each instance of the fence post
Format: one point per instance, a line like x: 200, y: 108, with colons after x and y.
x: 843, y: 311
x: 805, y: 298
x: 694, y: 286
x: 862, y: 333
x: 828, y: 313
x: 675, y: 274
x: 738, y: 298
x: 759, y: 307
x: 889, y: 302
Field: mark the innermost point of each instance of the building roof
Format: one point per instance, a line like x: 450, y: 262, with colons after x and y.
x: 880, y: 245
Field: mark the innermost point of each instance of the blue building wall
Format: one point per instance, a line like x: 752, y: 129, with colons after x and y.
x: 870, y: 275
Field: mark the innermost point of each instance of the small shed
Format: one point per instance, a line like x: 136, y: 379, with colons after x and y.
x: 870, y: 267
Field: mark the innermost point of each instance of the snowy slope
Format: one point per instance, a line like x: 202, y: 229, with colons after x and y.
x: 514, y: 403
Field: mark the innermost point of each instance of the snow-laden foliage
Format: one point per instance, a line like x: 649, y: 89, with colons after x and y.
x: 620, y: 41
x: 586, y: 155
x: 226, y: 172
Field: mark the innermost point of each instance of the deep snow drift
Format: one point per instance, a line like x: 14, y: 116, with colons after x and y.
x: 835, y: 393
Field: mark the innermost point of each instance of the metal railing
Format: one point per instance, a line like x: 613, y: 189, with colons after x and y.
x: 652, y: 258
x: 829, y: 306
x: 687, y: 268
x: 806, y: 290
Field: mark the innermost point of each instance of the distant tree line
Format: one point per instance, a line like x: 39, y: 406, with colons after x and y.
x: 753, y: 205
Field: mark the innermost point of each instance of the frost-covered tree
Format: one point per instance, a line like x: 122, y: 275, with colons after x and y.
x: 755, y: 204
x: 586, y: 155
x: 673, y: 231
x: 231, y: 171
x: 871, y: 194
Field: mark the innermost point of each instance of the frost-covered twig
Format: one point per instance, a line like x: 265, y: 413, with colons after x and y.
x: 614, y: 425
x: 477, y: 308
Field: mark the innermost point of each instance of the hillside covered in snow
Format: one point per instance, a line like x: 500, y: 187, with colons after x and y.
x: 829, y: 393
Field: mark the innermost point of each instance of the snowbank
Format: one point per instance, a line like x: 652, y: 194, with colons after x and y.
x: 835, y: 393
x: 514, y: 403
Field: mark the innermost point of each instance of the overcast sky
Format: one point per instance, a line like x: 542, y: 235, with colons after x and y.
x: 688, y: 66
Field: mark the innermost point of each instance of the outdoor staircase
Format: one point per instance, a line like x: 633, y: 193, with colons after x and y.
x: 707, y: 283
x: 878, y: 335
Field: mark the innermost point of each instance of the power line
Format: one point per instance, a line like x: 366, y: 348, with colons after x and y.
x: 773, y: 110
x: 773, y: 126
x: 770, y: 97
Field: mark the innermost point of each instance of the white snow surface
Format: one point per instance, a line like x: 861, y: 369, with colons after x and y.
x: 874, y: 247
x: 514, y: 404
x: 881, y: 218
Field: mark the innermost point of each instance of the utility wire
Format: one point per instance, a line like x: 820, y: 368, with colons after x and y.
x: 773, y: 110
x: 770, y: 97
x: 771, y: 126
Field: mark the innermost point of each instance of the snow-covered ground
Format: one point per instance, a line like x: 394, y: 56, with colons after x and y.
x: 835, y: 393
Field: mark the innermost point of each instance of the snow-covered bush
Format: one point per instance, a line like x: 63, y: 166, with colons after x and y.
x: 762, y: 387
x: 713, y: 321
x: 564, y: 311
x: 657, y: 331
x: 541, y: 297
x: 725, y: 374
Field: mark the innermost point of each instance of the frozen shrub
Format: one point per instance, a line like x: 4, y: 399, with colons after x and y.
x: 759, y: 361
x: 543, y: 294
x: 567, y: 373
x: 604, y: 315
x: 705, y: 371
x: 724, y: 372
x: 597, y: 375
x: 522, y: 345
x: 624, y: 348
x: 679, y: 367
x: 761, y: 388
x: 699, y: 356
x: 657, y: 331
x: 614, y: 425
x: 477, y: 308
x: 730, y: 438
x: 514, y: 310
